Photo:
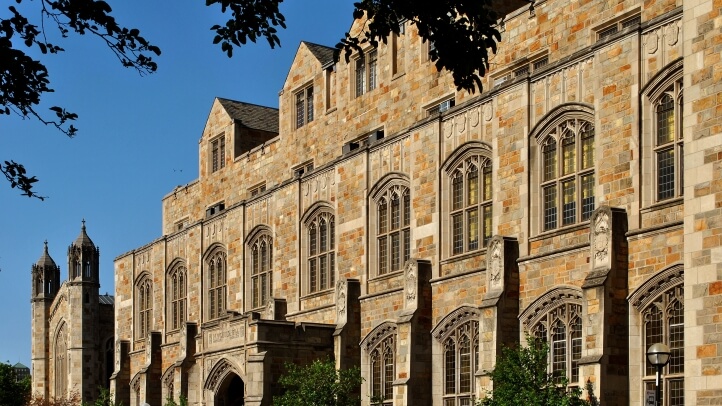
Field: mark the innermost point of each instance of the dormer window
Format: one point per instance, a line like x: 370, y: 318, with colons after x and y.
x: 218, y: 153
x: 304, y: 106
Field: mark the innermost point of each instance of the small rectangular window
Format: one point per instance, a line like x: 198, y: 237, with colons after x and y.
x: 366, y: 72
x: 218, y: 153
x: 302, y: 169
x: 257, y: 190
x: 304, y: 106
x: 540, y: 63
x: 441, y: 107
x: 360, y: 76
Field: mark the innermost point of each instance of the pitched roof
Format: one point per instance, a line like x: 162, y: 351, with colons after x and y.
x: 83, y: 240
x: 45, y: 259
x: 19, y: 365
x: 323, y: 53
x: 106, y: 299
x: 252, y: 115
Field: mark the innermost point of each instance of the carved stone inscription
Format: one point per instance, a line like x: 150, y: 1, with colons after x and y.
x: 224, y: 336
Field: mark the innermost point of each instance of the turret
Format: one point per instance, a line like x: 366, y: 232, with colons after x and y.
x: 83, y: 259
x: 45, y: 276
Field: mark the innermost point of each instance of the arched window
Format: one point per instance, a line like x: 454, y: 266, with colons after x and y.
x: 144, y: 306
x: 561, y: 328
x: 261, y: 270
x: 216, y: 278
x: 663, y: 322
x: 382, y: 371
x: 393, y: 229
x: 61, y: 363
x: 668, y: 143
x: 567, y: 173
x: 460, y: 362
x: 321, y: 252
x: 176, y: 295
x: 470, y: 204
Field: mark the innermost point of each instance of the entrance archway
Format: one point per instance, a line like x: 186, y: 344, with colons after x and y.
x: 230, y: 392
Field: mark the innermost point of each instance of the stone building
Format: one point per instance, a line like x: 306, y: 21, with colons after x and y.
x: 72, y: 325
x: 386, y: 219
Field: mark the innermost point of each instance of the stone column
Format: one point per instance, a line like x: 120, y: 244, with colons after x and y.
x: 498, y: 323
x: 605, y: 327
x: 413, y: 346
x: 347, y: 336
x: 120, y: 380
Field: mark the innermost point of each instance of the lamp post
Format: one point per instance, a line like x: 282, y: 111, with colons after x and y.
x: 658, y: 355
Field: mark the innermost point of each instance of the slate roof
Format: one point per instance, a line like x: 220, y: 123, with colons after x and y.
x: 252, y: 115
x: 323, y: 53
x: 19, y: 365
x: 106, y: 299
x: 45, y: 259
x: 83, y: 240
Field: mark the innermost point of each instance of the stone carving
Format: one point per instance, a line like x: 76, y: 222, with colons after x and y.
x: 411, y: 281
x: 474, y: 118
x: 651, y: 42
x: 600, y: 237
x: 496, y: 264
x: 341, y: 293
x: 672, y: 34
x: 183, y: 340
x: 448, y: 127
x: 270, y: 312
x: 460, y: 124
x: 148, y: 349
x: 488, y: 111
x: 117, y: 355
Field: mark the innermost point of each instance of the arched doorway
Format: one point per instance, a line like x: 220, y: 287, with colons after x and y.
x: 231, y: 392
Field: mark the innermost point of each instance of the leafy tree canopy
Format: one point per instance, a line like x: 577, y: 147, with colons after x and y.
x: 521, y: 378
x: 12, y: 391
x: 319, y: 383
x: 462, y: 32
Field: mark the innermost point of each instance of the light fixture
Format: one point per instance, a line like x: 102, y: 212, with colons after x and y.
x: 658, y: 355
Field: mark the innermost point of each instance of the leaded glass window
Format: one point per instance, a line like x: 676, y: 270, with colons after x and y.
x: 261, y: 270
x: 471, y: 203
x: 668, y: 143
x: 561, y: 329
x: 144, y: 297
x: 567, y: 168
x: 216, y: 285
x: 461, y: 360
x: 176, y: 286
x: 394, y: 231
x: 383, y: 371
x: 321, y: 252
x: 663, y: 322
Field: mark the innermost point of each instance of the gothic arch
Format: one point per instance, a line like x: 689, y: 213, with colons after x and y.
x: 219, y: 372
x: 258, y: 231
x: 465, y: 151
x: 214, y: 248
x: 461, y: 315
x: 660, y: 81
x: 548, y: 301
x: 389, y: 180
x: 316, y: 208
x: 378, y: 334
x: 559, y: 114
x: 664, y: 280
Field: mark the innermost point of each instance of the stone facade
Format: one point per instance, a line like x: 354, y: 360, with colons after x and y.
x: 381, y: 217
x: 72, y: 325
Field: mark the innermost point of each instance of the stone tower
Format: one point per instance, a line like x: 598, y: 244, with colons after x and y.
x: 45, y: 284
x: 72, y: 325
x: 84, y: 361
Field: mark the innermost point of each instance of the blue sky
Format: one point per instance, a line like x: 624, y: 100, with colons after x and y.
x: 138, y: 136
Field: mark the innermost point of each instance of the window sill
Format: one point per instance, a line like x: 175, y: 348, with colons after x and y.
x: 560, y: 231
x: 466, y: 255
x: 663, y: 204
x: 398, y: 75
x: 385, y: 276
x: 318, y: 293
